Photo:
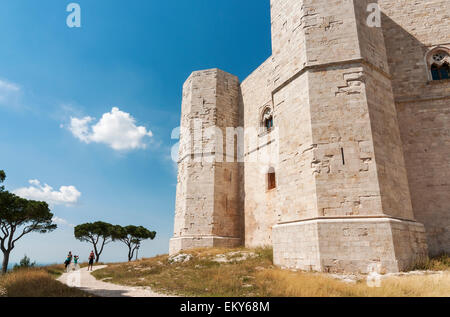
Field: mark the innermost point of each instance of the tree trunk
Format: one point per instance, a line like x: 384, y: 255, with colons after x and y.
x: 130, y: 254
x: 97, y: 255
x: 5, y: 261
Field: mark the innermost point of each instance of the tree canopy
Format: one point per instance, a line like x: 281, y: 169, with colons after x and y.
x: 2, y: 179
x: 98, y: 234
x: 19, y: 217
x: 25, y: 263
x: 132, y: 236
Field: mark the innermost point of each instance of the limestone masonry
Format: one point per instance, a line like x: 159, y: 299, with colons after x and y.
x: 357, y: 121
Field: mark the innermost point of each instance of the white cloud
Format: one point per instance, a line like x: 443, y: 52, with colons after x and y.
x: 80, y: 128
x: 62, y: 222
x: 8, y: 86
x: 66, y: 195
x: 117, y: 129
x: 9, y: 93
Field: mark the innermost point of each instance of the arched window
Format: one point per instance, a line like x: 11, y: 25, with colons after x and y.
x: 439, y: 61
x: 267, y: 120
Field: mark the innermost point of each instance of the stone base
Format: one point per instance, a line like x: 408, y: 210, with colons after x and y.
x: 179, y: 244
x: 356, y: 245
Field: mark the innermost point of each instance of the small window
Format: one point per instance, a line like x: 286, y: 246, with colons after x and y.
x: 267, y: 120
x: 269, y: 123
x: 438, y: 62
x: 271, y: 181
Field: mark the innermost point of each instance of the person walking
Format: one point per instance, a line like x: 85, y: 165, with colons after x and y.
x: 91, y: 261
x: 68, y: 259
x: 75, y: 262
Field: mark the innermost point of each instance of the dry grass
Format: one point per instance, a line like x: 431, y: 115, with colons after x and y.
x: 36, y: 283
x: 55, y: 270
x: 258, y: 277
x: 439, y: 263
x: 280, y: 283
x: 198, y: 277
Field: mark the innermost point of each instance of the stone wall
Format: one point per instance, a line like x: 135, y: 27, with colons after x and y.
x: 344, y: 160
x: 296, y: 188
x: 294, y: 194
x: 411, y: 29
x: 288, y: 38
x: 259, y: 206
x: 350, y: 245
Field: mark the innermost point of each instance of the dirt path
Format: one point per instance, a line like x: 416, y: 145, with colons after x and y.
x: 85, y: 281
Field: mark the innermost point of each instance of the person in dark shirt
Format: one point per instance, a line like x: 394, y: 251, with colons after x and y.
x: 68, y: 259
x: 91, y: 261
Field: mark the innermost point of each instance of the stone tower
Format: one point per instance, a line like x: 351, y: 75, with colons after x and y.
x: 339, y: 196
x: 208, y: 207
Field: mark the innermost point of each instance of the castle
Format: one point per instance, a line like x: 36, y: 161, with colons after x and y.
x: 356, y: 119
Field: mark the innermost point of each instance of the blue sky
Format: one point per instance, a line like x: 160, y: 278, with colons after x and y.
x: 131, y: 55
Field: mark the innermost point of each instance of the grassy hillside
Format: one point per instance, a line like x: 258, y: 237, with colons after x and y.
x: 239, y: 272
x: 37, y: 283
